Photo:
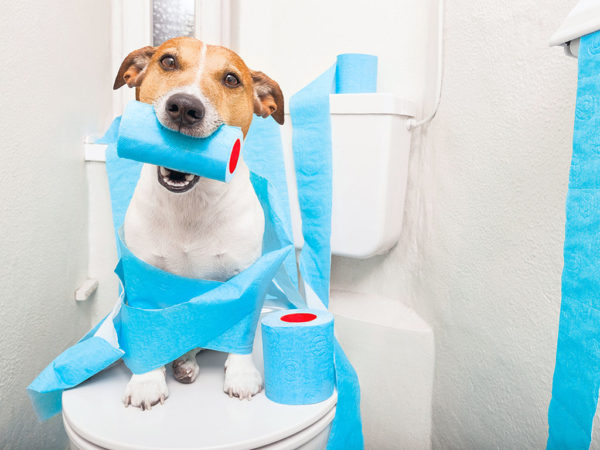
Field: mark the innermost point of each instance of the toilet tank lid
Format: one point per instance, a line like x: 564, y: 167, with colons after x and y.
x: 375, y: 103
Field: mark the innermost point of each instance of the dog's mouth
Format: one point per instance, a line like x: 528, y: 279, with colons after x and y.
x: 176, y: 181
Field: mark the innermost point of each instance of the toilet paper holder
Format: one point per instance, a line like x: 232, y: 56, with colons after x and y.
x: 583, y: 19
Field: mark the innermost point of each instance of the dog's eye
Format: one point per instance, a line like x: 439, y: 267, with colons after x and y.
x: 168, y: 62
x: 231, y: 80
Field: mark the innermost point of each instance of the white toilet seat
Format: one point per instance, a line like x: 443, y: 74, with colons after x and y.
x: 312, y: 438
x: 197, y: 415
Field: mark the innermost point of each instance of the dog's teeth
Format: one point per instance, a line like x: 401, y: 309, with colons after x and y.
x: 189, y: 176
x: 164, y: 172
x: 176, y: 183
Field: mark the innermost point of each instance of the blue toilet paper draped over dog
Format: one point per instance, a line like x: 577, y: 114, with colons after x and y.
x: 577, y: 371
x: 154, y: 303
x: 228, y: 311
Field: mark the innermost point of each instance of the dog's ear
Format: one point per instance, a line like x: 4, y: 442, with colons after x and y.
x: 133, y: 67
x: 268, y: 98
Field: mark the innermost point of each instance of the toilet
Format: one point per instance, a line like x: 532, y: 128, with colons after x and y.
x: 365, y: 222
x: 195, y: 416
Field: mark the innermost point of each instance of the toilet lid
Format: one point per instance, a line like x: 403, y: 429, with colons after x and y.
x: 197, y: 415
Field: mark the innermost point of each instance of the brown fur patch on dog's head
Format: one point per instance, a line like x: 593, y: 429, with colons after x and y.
x: 220, y: 74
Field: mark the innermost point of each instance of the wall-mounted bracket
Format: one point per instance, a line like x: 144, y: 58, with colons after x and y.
x: 86, y: 290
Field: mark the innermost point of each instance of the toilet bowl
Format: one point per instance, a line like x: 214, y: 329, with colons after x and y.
x: 195, y: 416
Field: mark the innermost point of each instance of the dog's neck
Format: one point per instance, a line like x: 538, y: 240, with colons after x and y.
x: 212, y: 231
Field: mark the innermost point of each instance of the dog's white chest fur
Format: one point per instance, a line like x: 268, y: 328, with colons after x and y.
x: 213, y: 231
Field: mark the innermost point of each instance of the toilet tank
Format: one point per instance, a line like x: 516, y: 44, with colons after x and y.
x: 371, y: 146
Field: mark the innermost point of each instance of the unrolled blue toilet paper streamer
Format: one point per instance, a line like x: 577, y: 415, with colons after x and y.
x: 311, y: 142
x: 577, y: 370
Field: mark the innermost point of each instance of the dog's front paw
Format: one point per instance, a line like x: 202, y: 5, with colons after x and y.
x: 242, y: 378
x: 146, y: 390
x: 186, y: 369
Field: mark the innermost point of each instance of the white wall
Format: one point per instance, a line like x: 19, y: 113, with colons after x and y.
x: 491, y: 264
x: 130, y: 30
x: 294, y: 42
x: 55, y: 90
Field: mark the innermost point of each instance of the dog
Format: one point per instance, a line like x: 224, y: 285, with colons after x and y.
x: 182, y: 223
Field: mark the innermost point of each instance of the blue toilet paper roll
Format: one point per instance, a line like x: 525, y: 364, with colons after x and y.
x: 143, y: 138
x: 298, y: 356
x: 356, y: 73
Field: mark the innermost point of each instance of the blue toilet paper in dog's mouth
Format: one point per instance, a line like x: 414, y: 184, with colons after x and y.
x: 143, y: 138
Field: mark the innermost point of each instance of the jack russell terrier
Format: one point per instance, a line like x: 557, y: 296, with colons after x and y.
x: 182, y: 223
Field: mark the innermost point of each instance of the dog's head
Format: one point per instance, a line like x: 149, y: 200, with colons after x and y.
x: 195, y: 88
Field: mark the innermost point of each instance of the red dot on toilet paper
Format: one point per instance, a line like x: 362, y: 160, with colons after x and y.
x: 298, y: 317
x: 235, y: 155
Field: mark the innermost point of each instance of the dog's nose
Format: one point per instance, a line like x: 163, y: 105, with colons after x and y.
x: 185, y: 109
